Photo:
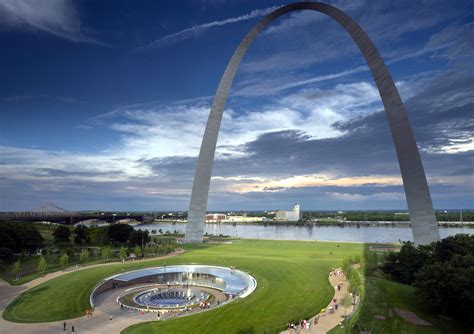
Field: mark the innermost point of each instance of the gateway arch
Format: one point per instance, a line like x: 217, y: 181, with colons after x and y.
x: 424, y: 225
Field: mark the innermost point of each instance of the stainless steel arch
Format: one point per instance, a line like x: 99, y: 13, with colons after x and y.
x: 424, y: 226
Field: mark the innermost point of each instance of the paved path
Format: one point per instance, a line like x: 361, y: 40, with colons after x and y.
x: 331, y: 317
x: 109, y: 318
x: 101, y: 319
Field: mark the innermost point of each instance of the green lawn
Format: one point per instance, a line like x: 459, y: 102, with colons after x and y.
x: 292, y: 284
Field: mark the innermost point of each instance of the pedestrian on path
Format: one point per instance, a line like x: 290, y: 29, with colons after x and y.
x: 72, y: 329
x: 64, y: 326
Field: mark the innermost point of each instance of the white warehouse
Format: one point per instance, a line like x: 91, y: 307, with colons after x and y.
x: 291, y: 216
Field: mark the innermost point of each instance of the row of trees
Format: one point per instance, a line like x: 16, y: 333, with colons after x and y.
x: 451, y: 216
x: 116, y: 234
x: 25, y: 237
x: 41, y: 268
x: 106, y: 253
x: 61, y: 245
x: 442, y: 272
x: 18, y: 238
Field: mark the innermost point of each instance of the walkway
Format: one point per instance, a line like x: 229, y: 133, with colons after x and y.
x: 331, y: 317
x: 101, y: 319
x: 109, y: 318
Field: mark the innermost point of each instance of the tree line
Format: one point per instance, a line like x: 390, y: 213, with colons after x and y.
x: 442, y: 273
x: 23, y: 245
x: 449, y: 216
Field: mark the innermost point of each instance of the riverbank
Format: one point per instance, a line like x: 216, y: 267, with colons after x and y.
x: 319, y: 223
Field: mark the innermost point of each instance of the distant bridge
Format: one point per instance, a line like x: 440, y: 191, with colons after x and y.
x: 71, y: 217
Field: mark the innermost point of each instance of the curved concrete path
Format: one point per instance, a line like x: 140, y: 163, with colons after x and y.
x: 329, y: 319
x: 108, y: 317
x: 99, y: 323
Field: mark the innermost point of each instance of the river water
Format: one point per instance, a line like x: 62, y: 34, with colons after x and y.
x: 384, y: 234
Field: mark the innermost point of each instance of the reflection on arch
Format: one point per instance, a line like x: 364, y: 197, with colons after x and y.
x: 418, y: 197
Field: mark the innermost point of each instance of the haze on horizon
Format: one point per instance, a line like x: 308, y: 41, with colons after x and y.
x: 107, y: 111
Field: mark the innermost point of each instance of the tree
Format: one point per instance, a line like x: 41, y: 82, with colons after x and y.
x: 122, y: 253
x: 449, y: 286
x: 98, y: 235
x: 64, y: 260
x: 84, y: 256
x: 149, y: 250
x: 6, y: 239
x: 442, y: 273
x: 346, y: 302
x: 138, y: 251
x: 5, y: 254
x: 9, y: 237
x: 48, y: 251
x: 459, y: 244
x: 61, y: 234
x: 404, y: 265
x: 139, y: 238
x: 81, y: 234
x: 31, y: 240
x: 119, y: 233
x: 42, y: 265
x: 105, y: 252
x: 16, y: 270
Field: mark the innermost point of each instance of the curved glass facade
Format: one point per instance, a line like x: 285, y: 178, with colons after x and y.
x: 229, y: 281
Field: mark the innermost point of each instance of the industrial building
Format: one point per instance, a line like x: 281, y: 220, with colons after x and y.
x: 292, y: 216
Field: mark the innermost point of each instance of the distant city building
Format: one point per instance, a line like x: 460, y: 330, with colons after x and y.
x: 215, y: 217
x: 223, y: 218
x: 291, y: 216
x: 245, y: 218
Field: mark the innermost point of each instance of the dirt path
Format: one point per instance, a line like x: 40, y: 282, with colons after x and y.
x: 330, y: 318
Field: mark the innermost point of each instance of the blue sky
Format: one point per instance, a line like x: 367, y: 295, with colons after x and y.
x: 103, y: 104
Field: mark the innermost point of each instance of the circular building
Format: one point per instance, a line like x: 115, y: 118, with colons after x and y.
x: 176, y: 288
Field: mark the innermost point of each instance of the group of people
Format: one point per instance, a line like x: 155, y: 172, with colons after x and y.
x: 65, y: 326
x: 204, y: 305
x: 89, y: 313
x: 303, y: 324
x: 336, y: 272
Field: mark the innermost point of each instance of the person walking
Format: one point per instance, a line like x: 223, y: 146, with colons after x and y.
x: 72, y: 329
x: 64, y: 326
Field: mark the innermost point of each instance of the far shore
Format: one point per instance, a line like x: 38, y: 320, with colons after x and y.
x: 320, y: 223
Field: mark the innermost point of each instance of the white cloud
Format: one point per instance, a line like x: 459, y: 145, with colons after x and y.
x: 29, y: 164
x: 381, y: 196
x: 272, y: 87
x: 158, y: 131
x: 247, y: 184
x: 194, y: 30
x: 455, y: 146
x: 57, y: 17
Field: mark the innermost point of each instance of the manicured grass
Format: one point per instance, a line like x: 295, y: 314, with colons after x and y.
x: 292, y: 284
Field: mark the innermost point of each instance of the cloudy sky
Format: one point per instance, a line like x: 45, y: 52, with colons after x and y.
x: 103, y: 105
